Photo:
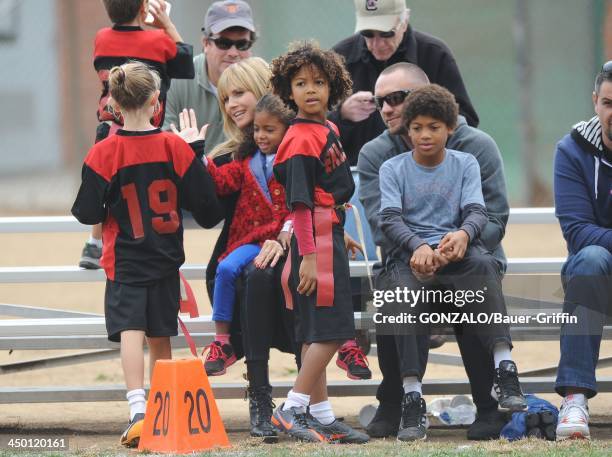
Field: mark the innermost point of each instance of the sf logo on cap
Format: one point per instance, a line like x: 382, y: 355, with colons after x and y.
x: 371, y: 5
x: 232, y: 8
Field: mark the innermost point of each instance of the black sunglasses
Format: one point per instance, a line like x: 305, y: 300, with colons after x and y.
x: 607, y: 67
x: 372, y: 33
x: 392, y: 99
x: 225, y: 43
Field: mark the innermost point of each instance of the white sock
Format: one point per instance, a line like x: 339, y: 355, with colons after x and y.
x: 95, y: 241
x: 323, y: 412
x: 412, y: 384
x: 296, y: 400
x: 501, y: 351
x: 137, y: 402
x: 578, y: 398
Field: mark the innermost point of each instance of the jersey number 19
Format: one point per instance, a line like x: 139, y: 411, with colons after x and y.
x: 162, y: 225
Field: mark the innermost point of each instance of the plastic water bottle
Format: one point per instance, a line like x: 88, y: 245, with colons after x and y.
x: 366, y: 415
x: 460, y: 410
x: 437, y: 405
x: 458, y: 415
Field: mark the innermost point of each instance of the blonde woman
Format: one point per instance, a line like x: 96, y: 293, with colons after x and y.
x: 260, y: 318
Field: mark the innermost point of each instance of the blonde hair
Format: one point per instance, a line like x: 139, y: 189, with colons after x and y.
x: 132, y: 84
x: 251, y: 75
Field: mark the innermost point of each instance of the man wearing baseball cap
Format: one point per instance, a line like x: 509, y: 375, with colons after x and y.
x: 383, y: 36
x: 228, y: 34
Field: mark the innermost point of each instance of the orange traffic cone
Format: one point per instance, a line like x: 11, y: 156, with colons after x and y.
x: 182, y: 414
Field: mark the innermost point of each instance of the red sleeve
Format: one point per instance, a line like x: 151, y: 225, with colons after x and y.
x: 302, y: 227
x: 228, y: 178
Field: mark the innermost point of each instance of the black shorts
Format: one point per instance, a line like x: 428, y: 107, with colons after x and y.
x: 153, y: 309
x: 324, y: 323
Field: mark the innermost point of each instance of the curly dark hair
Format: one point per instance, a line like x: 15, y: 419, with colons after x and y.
x: 434, y: 101
x: 273, y: 105
x: 301, y: 53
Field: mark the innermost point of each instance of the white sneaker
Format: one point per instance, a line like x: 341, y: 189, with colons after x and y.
x: 573, y: 419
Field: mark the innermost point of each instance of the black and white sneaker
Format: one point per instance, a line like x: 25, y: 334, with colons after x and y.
x: 90, y: 257
x: 413, y: 424
x: 386, y: 421
x: 507, y: 389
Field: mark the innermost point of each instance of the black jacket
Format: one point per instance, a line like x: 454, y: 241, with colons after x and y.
x: 426, y: 51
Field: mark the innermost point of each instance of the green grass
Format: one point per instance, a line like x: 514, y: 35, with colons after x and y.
x: 378, y: 448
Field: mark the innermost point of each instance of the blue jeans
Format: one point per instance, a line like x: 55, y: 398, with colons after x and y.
x: 228, y: 271
x: 587, y: 281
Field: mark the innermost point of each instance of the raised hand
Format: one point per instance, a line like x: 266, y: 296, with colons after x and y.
x: 189, y: 127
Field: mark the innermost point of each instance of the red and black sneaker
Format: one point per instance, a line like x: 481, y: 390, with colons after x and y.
x: 220, y: 356
x: 352, y: 359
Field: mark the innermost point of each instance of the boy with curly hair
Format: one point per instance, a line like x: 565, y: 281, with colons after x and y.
x: 312, y: 166
x: 433, y: 210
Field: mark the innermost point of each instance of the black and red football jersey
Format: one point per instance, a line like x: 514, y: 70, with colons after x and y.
x: 311, y: 165
x: 136, y: 183
x: 120, y: 44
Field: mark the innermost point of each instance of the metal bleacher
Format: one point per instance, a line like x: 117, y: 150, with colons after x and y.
x: 35, y: 328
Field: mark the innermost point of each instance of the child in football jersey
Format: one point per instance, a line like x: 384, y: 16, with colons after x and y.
x: 312, y: 166
x: 262, y: 213
x: 162, y: 49
x: 135, y: 183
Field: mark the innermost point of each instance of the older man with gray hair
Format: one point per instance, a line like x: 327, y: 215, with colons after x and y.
x: 383, y: 37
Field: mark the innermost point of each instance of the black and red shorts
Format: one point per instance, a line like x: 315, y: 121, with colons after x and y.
x: 324, y: 323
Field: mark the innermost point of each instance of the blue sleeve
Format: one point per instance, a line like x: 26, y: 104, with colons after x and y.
x: 471, y: 186
x: 574, y: 205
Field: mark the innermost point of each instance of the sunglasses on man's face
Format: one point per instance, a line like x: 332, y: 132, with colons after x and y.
x: 373, y: 33
x: 225, y: 43
x: 392, y: 99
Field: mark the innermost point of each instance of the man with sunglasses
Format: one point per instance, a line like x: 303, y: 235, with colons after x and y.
x: 228, y: 34
x: 384, y: 37
x: 583, y: 205
x: 391, y: 88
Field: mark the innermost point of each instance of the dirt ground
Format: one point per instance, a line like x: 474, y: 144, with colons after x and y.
x: 92, y: 425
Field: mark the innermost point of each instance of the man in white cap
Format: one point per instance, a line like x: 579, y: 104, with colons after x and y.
x: 228, y: 34
x: 384, y: 37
